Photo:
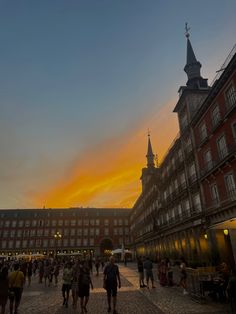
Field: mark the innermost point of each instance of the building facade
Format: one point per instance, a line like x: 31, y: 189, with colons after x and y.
x: 94, y: 231
x: 171, y: 216
x: 214, y: 129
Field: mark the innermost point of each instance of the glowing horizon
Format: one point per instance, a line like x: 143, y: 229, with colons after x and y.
x: 113, y: 180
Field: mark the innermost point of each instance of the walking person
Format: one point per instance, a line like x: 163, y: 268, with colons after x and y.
x: 16, y: 283
x: 67, y: 280
x: 111, y: 280
x: 183, y: 275
x: 85, y: 283
x: 75, y: 284
x: 149, y: 273
x: 163, y: 273
x: 56, y: 273
x: 169, y: 273
x: 29, y: 272
x: 4, y: 286
x: 97, y: 265
x: 141, y: 272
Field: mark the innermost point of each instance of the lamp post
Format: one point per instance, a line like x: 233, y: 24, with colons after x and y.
x: 57, y: 236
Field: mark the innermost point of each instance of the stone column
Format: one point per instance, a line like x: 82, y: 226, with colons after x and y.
x: 232, y: 234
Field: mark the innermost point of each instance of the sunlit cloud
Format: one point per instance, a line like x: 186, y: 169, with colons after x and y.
x: 108, y: 174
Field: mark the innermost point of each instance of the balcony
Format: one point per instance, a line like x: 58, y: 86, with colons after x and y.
x: 231, y: 104
x: 224, y: 155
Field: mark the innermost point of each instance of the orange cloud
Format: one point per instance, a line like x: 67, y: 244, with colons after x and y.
x: 108, y: 175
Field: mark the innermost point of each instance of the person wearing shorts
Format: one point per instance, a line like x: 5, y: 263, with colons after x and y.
x: 67, y: 280
x: 111, y: 278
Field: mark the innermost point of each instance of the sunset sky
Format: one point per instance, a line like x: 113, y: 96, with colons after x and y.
x: 81, y: 82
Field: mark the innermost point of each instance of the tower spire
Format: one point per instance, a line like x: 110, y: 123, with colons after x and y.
x: 150, y: 156
x: 193, y: 67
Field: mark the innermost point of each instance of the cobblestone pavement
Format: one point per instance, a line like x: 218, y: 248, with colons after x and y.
x: 39, y: 299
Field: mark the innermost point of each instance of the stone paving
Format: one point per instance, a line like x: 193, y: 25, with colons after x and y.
x: 39, y: 299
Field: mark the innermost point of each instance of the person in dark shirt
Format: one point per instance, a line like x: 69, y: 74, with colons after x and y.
x: 111, y: 278
x: 141, y: 272
x: 149, y: 273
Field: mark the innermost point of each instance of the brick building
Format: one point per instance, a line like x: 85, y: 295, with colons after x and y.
x: 172, y: 216
x: 215, y: 135
x: 89, y: 230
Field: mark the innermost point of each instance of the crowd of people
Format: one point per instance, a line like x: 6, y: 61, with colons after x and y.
x: 76, y: 275
x: 76, y: 280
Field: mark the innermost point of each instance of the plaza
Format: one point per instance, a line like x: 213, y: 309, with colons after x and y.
x: 38, y: 299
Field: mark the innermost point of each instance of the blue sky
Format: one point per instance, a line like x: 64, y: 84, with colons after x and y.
x: 74, y: 74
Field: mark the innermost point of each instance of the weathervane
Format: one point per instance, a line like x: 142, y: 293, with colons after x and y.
x: 187, y: 30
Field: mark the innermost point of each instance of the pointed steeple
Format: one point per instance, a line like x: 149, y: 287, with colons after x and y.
x: 150, y: 156
x: 193, y: 67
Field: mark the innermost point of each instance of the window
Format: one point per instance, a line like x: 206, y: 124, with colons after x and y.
x: 203, y: 132
x: 92, y: 222
x: 106, y: 222
x: 85, y: 231
x: 234, y: 130
x: 183, y: 121
x: 197, y: 202
x: 126, y: 222
x: 91, y: 241
x: 85, y: 241
x: 182, y: 179
x: 222, y: 147
x: 215, y: 116
x: 120, y: 222
x: 73, y: 222
x: 97, y: 231
x: 230, y: 184
x: 208, y: 160
x: 45, y: 243
x: 230, y: 97
x: 72, y: 232
x: 215, y: 194
x: 192, y: 171
x: 97, y: 222
x: 106, y: 231
x: 86, y: 222
x: 91, y: 231
x: 78, y: 242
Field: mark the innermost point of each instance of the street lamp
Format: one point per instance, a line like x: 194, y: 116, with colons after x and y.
x: 57, y: 236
